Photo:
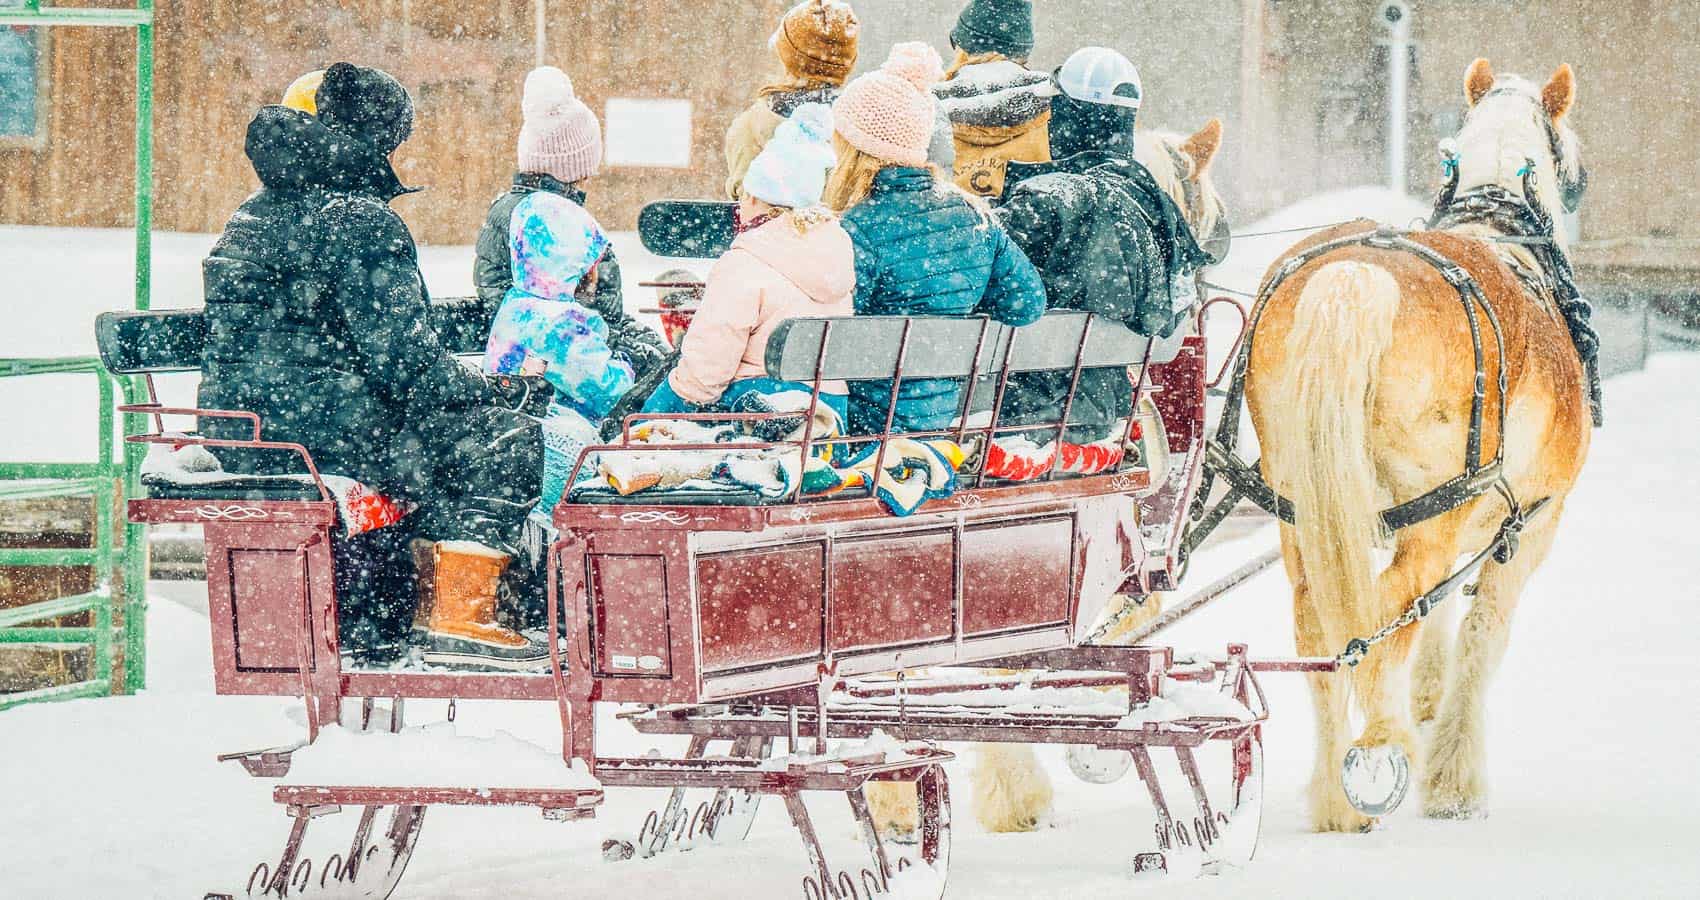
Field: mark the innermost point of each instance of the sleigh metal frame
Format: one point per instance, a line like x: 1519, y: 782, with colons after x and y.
x: 655, y: 602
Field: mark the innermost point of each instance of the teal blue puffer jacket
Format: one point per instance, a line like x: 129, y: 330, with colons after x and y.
x: 923, y: 250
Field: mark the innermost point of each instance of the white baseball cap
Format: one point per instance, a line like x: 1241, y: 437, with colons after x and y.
x: 1101, y: 75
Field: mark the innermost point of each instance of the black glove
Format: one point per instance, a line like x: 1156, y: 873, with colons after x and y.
x: 644, y: 351
x: 528, y: 394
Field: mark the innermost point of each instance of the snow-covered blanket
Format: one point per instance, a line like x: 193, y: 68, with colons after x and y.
x: 911, y: 471
x: 1020, y: 458
x: 359, y: 508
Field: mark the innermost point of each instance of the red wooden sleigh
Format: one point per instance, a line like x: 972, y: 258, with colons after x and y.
x: 753, y: 622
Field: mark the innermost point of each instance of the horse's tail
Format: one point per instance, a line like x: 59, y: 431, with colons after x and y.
x: 1342, y: 324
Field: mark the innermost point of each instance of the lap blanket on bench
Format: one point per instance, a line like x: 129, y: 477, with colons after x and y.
x: 192, y: 467
x: 914, y: 471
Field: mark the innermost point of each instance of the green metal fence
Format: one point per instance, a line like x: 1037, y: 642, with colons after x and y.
x: 114, y: 474
x: 106, y: 481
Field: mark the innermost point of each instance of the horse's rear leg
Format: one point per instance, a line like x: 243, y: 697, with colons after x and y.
x: 1428, y: 674
x: 1379, y: 766
x: 1455, y: 784
x: 1330, y: 695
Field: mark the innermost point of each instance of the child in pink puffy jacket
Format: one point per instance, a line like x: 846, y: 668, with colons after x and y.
x: 790, y: 260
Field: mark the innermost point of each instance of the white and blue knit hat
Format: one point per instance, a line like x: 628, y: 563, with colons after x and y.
x: 791, y: 170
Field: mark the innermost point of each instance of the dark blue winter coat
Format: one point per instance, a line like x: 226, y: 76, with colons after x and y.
x: 924, y: 250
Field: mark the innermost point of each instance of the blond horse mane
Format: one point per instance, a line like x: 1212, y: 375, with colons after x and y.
x: 1161, y: 152
x: 1502, y: 131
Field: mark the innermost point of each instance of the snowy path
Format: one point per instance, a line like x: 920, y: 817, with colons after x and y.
x: 1592, y: 735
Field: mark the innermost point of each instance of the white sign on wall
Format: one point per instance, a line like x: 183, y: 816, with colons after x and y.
x: 655, y: 133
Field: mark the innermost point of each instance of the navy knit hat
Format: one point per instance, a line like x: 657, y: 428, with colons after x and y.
x: 367, y: 103
x: 995, y: 26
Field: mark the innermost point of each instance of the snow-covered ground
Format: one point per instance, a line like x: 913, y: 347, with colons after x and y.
x: 1592, y: 731
x: 1592, y: 723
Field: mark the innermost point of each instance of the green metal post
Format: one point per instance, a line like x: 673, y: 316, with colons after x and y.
x: 135, y: 550
x: 144, y: 157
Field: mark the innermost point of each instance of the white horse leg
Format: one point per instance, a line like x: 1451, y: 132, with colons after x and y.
x: 1379, y: 764
x: 1428, y: 675
x: 1330, y: 694
x: 1011, y: 791
x: 895, y: 808
x: 1455, y: 778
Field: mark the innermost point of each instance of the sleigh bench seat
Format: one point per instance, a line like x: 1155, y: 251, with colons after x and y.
x: 979, y: 353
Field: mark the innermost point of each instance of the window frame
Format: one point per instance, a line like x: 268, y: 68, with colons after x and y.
x: 37, y: 140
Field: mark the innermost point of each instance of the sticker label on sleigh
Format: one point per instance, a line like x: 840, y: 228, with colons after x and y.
x: 646, y: 663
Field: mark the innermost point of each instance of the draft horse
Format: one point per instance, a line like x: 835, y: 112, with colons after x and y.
x: 1375, y: 375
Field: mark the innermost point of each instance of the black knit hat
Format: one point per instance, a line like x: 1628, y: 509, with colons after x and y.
x: 995, y: 26
x: 366, y: 103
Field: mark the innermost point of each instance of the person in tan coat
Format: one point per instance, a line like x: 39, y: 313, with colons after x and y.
x: 999, y: 110
x: 791, y: 259
x: 816, y: 44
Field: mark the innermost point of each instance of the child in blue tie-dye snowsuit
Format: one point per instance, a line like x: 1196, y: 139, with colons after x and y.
x: 541, y: 329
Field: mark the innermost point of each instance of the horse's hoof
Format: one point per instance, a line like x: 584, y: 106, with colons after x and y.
x: 1095, y: 765
x: 1375, y: 779
x: 1455, y: 810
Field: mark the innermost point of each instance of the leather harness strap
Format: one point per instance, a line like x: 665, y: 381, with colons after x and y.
x: 1479, y: 475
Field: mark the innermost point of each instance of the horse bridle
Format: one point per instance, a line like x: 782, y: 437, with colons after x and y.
x: 1570, y: 191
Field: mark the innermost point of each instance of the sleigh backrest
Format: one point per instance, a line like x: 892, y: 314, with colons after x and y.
x: 142, y: 343
x: 875, y: 347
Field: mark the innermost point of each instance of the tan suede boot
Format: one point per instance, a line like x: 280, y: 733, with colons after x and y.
x: 463, y: 624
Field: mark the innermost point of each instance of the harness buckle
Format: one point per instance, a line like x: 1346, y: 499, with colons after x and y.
x: 1456, y: 275
x: 1386, y: 237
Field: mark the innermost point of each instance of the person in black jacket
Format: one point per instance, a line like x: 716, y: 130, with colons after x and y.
x: 560, y: 146
x: 318, y: 320
x: 1104, y: 236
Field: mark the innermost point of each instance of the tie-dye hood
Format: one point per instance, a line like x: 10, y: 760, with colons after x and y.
x: 553, y: 245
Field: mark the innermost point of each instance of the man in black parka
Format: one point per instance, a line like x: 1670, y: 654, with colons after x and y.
x: 318, y: 320
x: 1104, y: 236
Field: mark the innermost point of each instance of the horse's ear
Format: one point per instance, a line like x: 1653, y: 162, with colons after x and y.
x: 1478, y: 80
x: 1559, y: 93
x: 1202, y: 147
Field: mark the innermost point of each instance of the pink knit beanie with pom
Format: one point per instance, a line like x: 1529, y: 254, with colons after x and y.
x: 561, y: 136
x: 889, y: 112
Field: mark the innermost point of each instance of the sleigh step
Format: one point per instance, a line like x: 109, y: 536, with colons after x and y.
x: 557, y: 803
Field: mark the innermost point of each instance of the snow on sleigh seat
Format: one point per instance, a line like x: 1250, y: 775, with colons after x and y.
x: 278, y: 547
x: 687, y: 602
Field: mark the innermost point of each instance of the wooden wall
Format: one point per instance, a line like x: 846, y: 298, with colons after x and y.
x: 1299, y: 97
x: 219, y: 60
x: 1637, y: 112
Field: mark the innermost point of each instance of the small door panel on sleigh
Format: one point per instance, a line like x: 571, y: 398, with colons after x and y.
x: 1016, y: 574
x: 761, y: 606
x: 255, y: 587
x: 630, y: 627
x: 893, y: 589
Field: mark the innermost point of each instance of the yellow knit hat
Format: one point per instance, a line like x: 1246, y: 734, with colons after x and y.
x: 303, y: 95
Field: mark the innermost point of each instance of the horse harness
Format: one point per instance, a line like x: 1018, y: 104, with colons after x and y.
x: 1245, y: 480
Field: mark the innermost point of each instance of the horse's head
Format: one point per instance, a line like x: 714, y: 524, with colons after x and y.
x: 1512, y: 123
x: 1181, y: 165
